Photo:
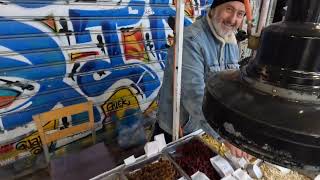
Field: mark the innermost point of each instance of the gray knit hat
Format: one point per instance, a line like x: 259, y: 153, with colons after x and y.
x: 219, y: 2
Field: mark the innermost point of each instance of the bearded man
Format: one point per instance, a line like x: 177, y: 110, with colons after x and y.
x: 209, y: 46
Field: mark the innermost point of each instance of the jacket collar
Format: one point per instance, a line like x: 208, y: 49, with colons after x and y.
x: 231, y: 39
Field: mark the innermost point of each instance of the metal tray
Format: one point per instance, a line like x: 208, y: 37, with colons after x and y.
x: 173, y: 154
x: 171, y: 149
x: 115, y: 176
x: 139, y: 165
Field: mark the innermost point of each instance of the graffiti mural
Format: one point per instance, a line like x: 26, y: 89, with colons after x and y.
x: 27, y: 146
x: 58, y: 53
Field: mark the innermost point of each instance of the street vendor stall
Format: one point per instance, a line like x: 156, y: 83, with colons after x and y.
x: 273, y: 114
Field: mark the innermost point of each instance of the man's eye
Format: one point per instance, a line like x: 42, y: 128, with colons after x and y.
x: 229, y: 9
x: 240, y: 14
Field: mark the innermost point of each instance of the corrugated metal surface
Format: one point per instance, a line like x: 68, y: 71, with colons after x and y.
x: 57, y: 53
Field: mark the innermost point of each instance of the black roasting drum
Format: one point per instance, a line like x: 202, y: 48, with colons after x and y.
x: 271, y: 106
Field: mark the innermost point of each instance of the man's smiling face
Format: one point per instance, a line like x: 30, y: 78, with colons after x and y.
x: 228, y: 17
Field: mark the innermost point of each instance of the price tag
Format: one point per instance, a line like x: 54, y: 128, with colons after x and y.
x: 161, y: 141
x: 151, y: 148
x: 221, y: 165
x: 130, y: 160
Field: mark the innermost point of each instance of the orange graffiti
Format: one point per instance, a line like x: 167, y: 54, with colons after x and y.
x: 134, y: 44
x: 79, y: 55
x: 50, y: 22
x: 7, y: 97
x: 188, y: 9
x: 6, y: 101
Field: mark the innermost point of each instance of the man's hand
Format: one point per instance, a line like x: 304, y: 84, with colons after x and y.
x: 237, y: 152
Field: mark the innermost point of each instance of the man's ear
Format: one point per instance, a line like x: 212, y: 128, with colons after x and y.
x: 211, y: 12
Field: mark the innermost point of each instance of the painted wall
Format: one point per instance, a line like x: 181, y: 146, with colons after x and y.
x: 58, y: 53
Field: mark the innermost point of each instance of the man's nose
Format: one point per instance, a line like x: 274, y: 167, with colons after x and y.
x: 233, y: 18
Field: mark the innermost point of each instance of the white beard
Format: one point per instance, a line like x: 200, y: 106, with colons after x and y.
x: 218, y: 27
x: 220, y: 31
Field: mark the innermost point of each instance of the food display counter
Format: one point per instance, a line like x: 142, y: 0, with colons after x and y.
x: 196, y: 156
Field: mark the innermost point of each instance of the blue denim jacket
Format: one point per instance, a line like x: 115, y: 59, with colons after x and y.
x: 204, y: 53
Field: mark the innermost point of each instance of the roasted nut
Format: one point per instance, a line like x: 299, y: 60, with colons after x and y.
x: 161, y: 170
